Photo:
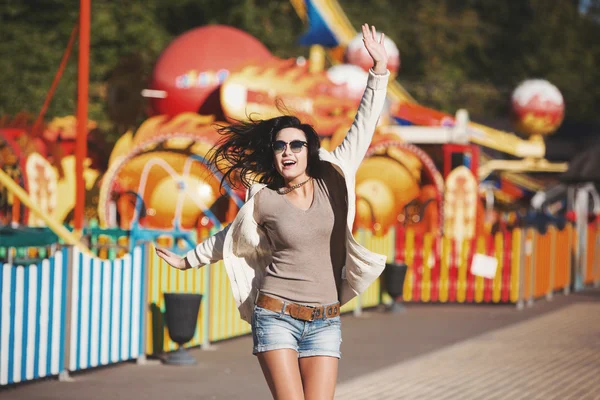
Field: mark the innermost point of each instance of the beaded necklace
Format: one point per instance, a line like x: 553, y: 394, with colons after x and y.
x: 296, y: 186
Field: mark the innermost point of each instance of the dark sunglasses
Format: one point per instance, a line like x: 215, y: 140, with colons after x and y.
x: 295, y: 145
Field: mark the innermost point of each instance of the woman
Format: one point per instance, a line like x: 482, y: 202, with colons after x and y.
x: 289, y: 253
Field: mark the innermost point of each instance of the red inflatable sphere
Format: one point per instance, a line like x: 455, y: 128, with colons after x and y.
x: 191, y: 69
x: 538, y: 107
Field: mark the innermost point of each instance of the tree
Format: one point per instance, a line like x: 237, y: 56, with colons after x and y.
x: 35, y: 34
x: 455, y: 53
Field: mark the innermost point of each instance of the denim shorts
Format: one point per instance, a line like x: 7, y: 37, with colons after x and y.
x: 275, y: 330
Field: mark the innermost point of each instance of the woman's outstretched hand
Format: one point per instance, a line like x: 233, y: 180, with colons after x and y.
x: 375, y: 48
x: 173, y: 259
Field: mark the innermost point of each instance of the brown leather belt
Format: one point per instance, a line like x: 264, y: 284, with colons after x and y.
x: 298, y: 311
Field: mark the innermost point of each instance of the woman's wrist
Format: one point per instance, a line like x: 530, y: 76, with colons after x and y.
x: 380, y: 68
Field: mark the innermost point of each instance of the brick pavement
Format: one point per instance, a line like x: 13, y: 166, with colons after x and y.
x: 556, y: 356
x: 430, y: 349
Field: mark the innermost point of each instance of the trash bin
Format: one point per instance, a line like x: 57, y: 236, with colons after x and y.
x: 394, y: 275
x: 181, y: 315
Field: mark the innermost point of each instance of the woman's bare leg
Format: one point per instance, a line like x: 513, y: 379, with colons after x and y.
x: 319, y: 376
x: 282, y: 373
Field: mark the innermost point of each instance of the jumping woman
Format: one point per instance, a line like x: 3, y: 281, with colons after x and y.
x: 289, y: 253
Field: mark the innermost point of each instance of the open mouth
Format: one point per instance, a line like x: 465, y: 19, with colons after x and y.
x: 288, y: 163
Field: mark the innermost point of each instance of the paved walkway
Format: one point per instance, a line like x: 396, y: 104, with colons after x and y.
x: 548, y: 351
x: 556, y: 356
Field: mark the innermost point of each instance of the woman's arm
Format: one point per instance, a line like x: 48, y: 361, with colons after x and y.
x: 357, y: 141
x: 207, y: 252
x: 210, y: 250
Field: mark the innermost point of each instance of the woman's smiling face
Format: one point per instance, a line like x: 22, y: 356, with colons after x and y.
x: 290, y: 165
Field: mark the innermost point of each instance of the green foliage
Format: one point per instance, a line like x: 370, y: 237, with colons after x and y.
x: 275, y: 23
x: 28, y: 54
x: 455, y: 53
x: 34, y: 36
x: 472, y: 54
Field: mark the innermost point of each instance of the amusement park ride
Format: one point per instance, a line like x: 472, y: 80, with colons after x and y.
x: 426, y: 170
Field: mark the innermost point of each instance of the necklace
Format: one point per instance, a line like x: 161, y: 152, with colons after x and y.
x: 296, y: 186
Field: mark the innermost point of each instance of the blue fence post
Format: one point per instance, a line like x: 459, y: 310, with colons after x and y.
x: 141, y: 360
x: 67, y: 253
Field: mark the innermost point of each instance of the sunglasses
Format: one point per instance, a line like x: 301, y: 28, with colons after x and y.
x: 295, y: 145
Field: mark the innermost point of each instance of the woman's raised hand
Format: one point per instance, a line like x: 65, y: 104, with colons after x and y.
x: 172, y: 259
x: 375, y: 48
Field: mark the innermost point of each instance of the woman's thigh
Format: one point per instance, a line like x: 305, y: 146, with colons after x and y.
x: 282, y: 373
x: 276, y: 345
x: 319, y: 352
x: 319, y: 376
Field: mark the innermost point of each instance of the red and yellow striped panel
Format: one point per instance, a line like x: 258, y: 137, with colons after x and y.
x: 409, y: 280
x: 515, y: 264
x: 479, y: 280
x: 453, y: 270
x: 463, y: 272
x: 488, y: 283
x: 426, y: 265
x: 448, y: 278
x: 435, y: 269
x: 506, y: 266
x: 417, y: 267
x: 497, y: 281
x: 444, y: 284
x: 470, y: 296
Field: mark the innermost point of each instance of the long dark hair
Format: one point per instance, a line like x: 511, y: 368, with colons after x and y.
x: 244, y: 154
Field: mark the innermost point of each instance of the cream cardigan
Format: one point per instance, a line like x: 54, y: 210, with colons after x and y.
x: 245, y: 248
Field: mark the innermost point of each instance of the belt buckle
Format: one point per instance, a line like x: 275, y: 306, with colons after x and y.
x: 316, y: 313
x: 331, y: 311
